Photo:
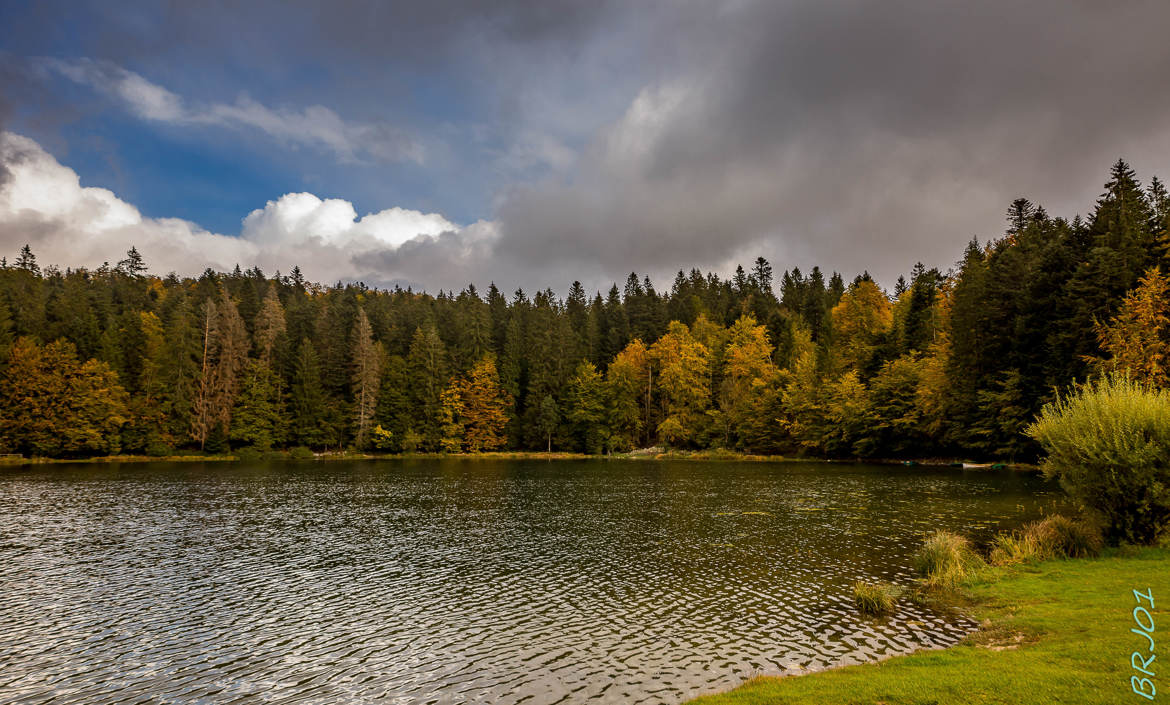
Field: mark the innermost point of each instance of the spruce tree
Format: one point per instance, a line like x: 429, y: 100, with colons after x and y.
x: 367, y: 358
x: 307, y: 398
x: 428, y: 371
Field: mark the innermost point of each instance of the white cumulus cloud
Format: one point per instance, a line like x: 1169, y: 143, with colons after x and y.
x: 44, y: 205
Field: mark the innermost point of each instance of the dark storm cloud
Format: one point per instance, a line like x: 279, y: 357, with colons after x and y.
x: 271, y: 32
x: 858, y: 135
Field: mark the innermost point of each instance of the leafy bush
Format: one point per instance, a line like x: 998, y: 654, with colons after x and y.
x: 300, y: 453
x: 248, y: 453
x: 158, y: 449
x: 217, y: 442
x: 946, y: 559
x: 874, y: 599
x: 1109, y: 443
x: 411, y: 441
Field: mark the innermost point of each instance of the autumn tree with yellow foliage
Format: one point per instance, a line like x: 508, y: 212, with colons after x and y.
x: 861, y: 320
x: 747, y: 371
x: 53, y: 404
x: 474, y: 410
x: 685, y: 383
x: 1138, y: 337
x: 628, y: 381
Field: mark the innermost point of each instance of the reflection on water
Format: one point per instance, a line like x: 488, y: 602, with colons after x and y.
x: 462, y: 581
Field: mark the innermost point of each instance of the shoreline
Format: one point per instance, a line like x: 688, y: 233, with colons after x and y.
x: 1059, y: 628
x: 13, y: 462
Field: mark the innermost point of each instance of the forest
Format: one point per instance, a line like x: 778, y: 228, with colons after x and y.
x: 955, y: 363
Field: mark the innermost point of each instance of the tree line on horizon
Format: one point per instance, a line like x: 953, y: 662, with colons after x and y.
x: 957, y: 363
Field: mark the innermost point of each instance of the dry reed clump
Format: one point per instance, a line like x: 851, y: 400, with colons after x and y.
x: 875, y: 599
x: 1053, y: 537
x: 946, y: 559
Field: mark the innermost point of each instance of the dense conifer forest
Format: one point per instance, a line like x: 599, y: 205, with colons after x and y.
x: 950, y: 363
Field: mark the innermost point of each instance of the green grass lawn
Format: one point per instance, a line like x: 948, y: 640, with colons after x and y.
x: 1054, y: 632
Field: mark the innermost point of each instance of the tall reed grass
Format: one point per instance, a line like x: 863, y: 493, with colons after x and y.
x: 946, y: 559
x: 875, y: 599
x: 1055, y: 536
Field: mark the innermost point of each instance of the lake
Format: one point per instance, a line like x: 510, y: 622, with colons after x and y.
x: 451, y: 581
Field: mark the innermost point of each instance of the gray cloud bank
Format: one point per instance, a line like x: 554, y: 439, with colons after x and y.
x: 855, y: 135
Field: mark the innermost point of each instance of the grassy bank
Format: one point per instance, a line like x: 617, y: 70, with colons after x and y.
x: 1053, y: 632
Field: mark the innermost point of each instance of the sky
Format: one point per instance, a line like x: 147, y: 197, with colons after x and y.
x: 532, y: 143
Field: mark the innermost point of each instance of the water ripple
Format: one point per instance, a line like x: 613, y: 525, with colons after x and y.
x: 456, y: 582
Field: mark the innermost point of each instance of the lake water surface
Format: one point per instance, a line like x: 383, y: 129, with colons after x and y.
x: 451, y: 581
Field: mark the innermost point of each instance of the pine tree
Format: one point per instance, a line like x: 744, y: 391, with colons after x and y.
x: 257, y: 417
x: 203, y: 417
x: 367, y: 357
x: 577, y: 311
x: 6, y: 337
x: 133, y: 265
x: 395, y: 411
x: 148, y: 429
x: 225, y: 351
x: 474, y: 329
x: 27, y: 261
x: 427, y: 367
x: 269, y: 327
x: 498, y: 311
x: 586, y: 409
x: 548, y: 419
x: 180, y: 368
x: 900, y: 287
x: 919, y: 325
x: 308, y: 398
x: 1120, y: 249
x: 814, y: 308
x: 762, y: 277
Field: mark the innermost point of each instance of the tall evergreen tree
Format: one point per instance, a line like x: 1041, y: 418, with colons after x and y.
x: 308, y: 398
x: 367, y: 358
x: 427, y: 367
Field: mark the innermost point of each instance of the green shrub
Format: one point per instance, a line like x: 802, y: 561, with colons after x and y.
x: 217, y: 441
x: 411, y: 441
x: 875, y: 599
x: 158, y: 449
x: 1109, y: 443
x: 300, y: 453
x: 248, y: 453
x: 946, y: 559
